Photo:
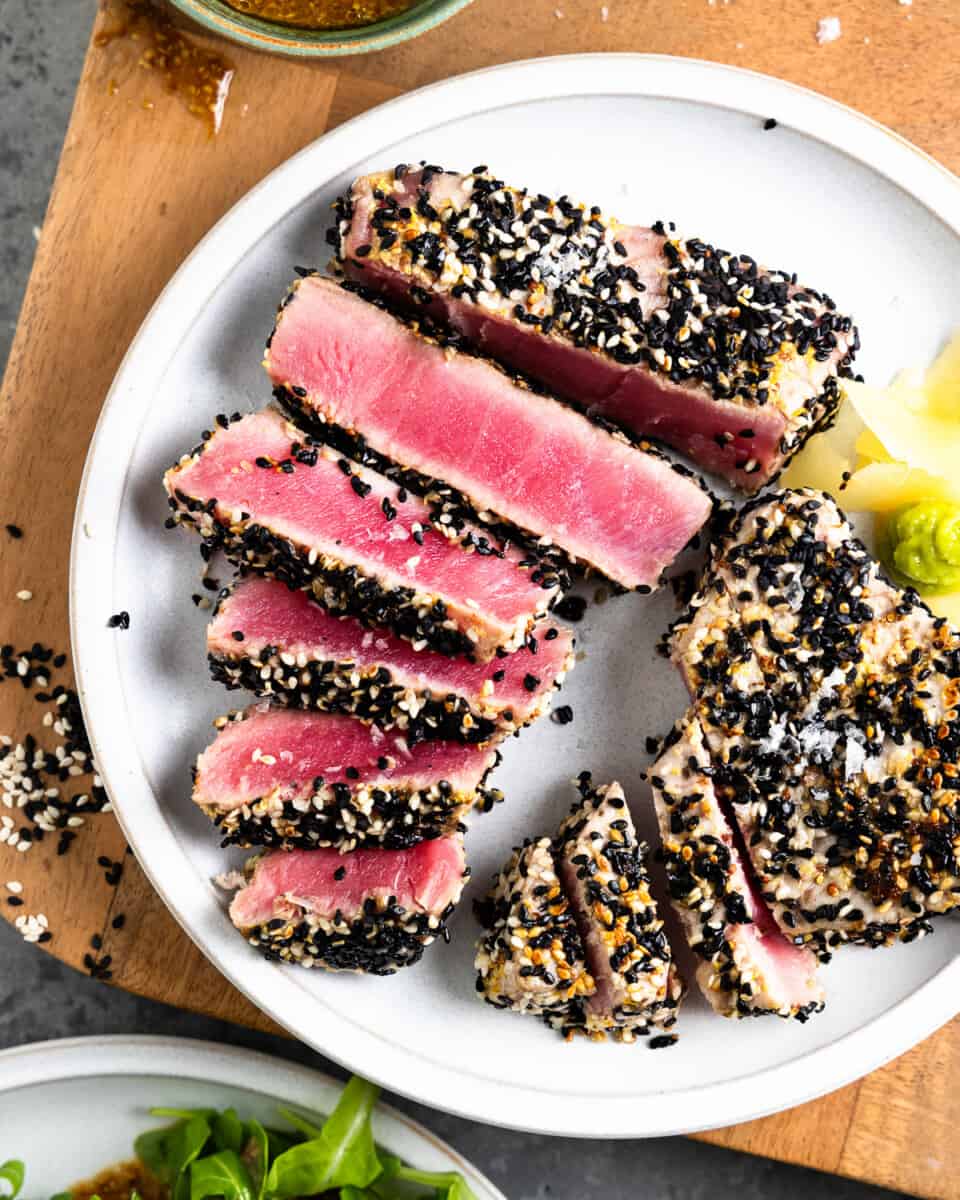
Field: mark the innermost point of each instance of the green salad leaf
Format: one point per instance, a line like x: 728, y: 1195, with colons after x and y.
x: 301, y: 1123
x: 227, y: 1130
x: 221, y: 1174
x: 342, y: 1154
x: 446, y: 1185
x: 12, y: 1172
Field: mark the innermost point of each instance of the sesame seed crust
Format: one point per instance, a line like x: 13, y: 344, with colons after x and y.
x: 342, y: 687
x: 687, y: 314
x: 531, y: 959
x: 830, y: 705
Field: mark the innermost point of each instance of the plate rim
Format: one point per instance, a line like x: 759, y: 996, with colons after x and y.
x: 199, y: 1060
x: 802, y: 1078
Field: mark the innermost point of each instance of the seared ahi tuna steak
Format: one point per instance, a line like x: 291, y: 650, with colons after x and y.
x: 667, y: 336
x: 284, y: 777
x: 532, y: 960
x: 829, y: 702
x: 278, y: 505
x: 748, y: 966
x: 573, y: 932
x: 603, y: 869
x: 372, y: 911
x: 282, y: 645
x: 546, y: 470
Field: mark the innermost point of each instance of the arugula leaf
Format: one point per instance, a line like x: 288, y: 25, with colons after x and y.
x: 221, y: 1174
x: 256, y: 1155
x: 13, y: 1173
x: 168, y: 1152
x: 448, y: 1185
x: 228, y: 1130
x: 184, y: 1114
x: 307, y: 1128
x: 342, y: 1154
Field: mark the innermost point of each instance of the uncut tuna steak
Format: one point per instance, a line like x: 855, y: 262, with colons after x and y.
x: 278, y: 505
x: 372, y: 911
x: 748, y: 966
x: 286, y: 777
x: 573, y: 934
x: 667, y: 336
x: 280, y: 644
x: 342, y: 364
x: 829, y: 704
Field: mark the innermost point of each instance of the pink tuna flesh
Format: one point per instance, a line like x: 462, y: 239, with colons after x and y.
x: 544, y: 467
x: 268, y: 613
x: 318, y: 508
x: 424, y: 879
x: 744, y: 438
x: 287, y: 749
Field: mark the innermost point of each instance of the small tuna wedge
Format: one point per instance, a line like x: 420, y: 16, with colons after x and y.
x: 667, y: 336
x: 573, y: 934
x: 341, y: 364
x: 281, y: 645
x: 370, y: 912
x: 291, y: 778
x: 748, y: 966
x: 275, y: 503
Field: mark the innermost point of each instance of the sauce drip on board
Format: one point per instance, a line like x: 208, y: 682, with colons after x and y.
x: 322, y: 14
x: 200, y: 77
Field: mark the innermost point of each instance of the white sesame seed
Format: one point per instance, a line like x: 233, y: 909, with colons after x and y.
x: 24, y: 594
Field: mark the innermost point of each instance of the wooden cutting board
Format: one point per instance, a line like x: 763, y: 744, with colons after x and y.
x: 140, y: 182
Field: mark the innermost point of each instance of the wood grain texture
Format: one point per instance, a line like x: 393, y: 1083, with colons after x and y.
x: 139, y: 184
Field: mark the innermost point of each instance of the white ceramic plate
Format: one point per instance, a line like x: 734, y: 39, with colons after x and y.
x: 848, y: 205
x: 47, y: 1119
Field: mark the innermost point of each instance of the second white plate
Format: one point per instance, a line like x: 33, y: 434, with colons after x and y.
x: 47, y: 1087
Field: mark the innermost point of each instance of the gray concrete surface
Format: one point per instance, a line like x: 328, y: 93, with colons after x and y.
x: 41, y: 47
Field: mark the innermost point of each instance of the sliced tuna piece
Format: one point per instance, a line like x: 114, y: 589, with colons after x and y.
x: 602, y: 866
x: 343, y: 364
x: 532, y: 960
x: 282, y: 645
x: 279, y: 505
x: 372, y: 911
x: 830, y: 698
x: 667, y: 336
x: 749, y: 967
x: 286, y: 777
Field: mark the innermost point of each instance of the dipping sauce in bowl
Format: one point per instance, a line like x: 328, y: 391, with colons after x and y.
x: 322, y: 14
x: 318, y: 28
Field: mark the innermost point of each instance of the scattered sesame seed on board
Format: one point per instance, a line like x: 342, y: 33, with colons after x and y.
x: 829, y: 29
x: 24, y: 594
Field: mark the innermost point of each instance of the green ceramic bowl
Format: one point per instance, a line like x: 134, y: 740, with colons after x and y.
x: 318, y: 43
